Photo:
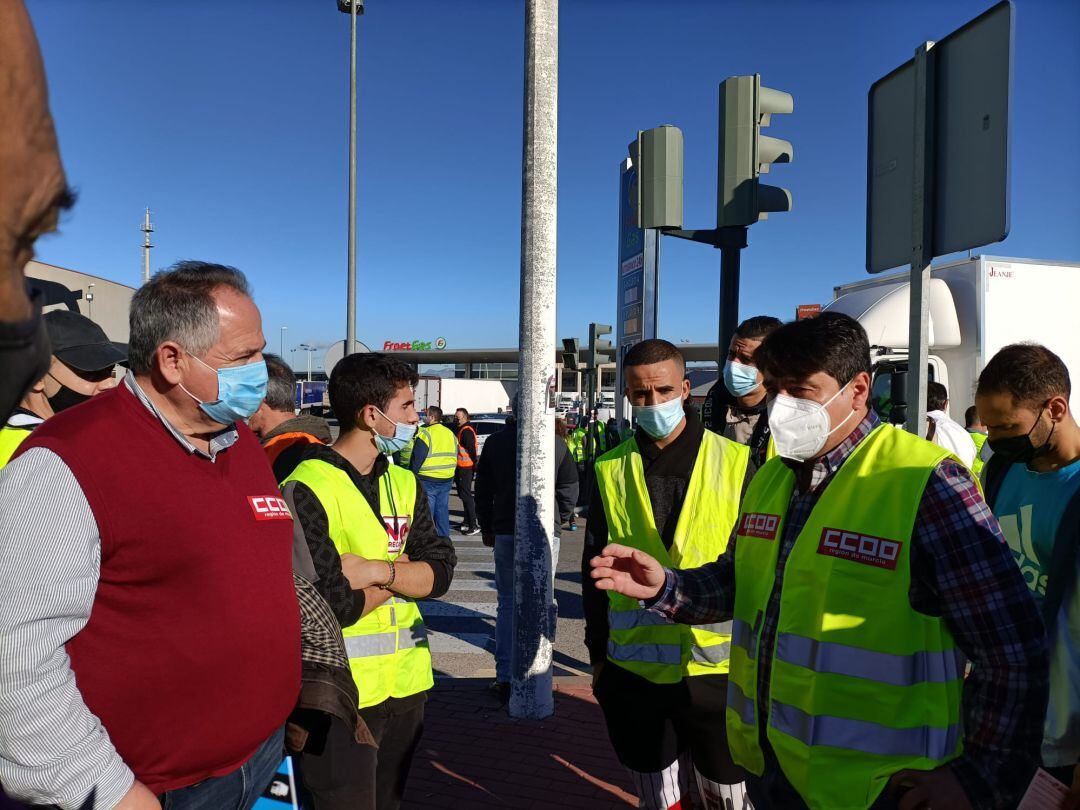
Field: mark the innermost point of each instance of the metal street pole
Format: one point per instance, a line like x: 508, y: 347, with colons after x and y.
x: 281, y: 342
x: 731, y: 241
x: 350, y: 327
x: 922, y: 223
x: 534, y: 629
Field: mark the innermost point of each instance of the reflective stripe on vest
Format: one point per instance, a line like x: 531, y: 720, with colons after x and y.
x: 463, y: 457
x: 388, y: 650
x: 442, y: 457
x: 646, y: 643
x: 861, y: 685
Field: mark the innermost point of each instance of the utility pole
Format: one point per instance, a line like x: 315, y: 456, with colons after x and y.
x: 147, y: 229
x: 534, y: 632
x: 354, y: 7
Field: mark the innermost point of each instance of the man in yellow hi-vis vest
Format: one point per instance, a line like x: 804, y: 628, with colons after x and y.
x: 864, y: 569
x: 672, y: 491
x: 366, y: 539
x: 434, y: 460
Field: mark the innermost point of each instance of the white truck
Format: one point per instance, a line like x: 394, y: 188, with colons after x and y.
x: 977, y: 306
x: 475, y: 396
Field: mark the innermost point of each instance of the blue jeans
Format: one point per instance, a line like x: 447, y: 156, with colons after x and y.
x: 504, y: 612
x: 438, y: 498
x: 238, y: 790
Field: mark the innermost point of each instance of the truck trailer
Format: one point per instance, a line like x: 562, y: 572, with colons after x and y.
x: 977, y: 306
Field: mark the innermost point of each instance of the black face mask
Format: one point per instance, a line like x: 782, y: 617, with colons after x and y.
x: 1019, y: 449
x: 66, y: 398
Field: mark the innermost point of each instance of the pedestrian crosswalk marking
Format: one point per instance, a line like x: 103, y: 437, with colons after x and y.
x: 475, y: 566
x: 472, y: 585
x: 465, y: 610
x: 483, y: 643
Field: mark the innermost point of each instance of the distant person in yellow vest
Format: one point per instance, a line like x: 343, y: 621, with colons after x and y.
x: 670, y: 491
x: 366, y: 538
x: 434, y: 460
x: 977, y: 429
x: 865, y: 568
x: 83, y: 364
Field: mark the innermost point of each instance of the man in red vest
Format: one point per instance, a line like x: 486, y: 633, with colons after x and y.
x: 147, y: 607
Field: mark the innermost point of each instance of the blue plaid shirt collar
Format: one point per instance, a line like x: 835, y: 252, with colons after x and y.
x: 811, y: 475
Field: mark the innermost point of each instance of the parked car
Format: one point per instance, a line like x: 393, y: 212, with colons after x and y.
x: 485, y: 424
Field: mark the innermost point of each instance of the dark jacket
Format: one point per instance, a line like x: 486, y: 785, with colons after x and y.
x: 288, y: 442
x: 496, y: 482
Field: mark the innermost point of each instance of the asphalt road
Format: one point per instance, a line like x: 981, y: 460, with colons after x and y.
x: 461, y: 625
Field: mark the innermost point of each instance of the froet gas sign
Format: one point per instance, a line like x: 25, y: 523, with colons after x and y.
x: 438, y: 344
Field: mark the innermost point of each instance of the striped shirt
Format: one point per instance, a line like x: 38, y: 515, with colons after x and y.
x: 961, y: 570
x: 53, y: 750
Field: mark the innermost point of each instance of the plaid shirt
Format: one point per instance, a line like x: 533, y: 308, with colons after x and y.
x: 962, y: 571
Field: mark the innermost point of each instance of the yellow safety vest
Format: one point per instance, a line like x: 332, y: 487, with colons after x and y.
x: 861, y: 685
x: 441, y: 461
x: 10, y: 439
x: 643, y: 642
x: 980, y: 440
x: 388, y: 648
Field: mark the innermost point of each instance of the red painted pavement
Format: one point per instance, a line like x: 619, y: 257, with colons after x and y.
x: 474, y: 755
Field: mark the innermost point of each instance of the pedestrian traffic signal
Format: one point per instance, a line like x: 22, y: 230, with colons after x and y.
x: 570, y: 354
x: 745, y: 108
x: 346, y: 6
x: 657, y: 157
x: 599, y: 349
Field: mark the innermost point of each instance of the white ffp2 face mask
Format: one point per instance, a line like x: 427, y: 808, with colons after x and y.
x: 800, y: 427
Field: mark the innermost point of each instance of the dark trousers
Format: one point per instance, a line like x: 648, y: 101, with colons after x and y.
x: 350, y: 776
x: 463, y: 478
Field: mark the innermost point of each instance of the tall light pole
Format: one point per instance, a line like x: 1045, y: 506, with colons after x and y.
x: 281, y: 342
x: 90, y: 301
x: 147, y: 228
x: 534, y: 632
x: 309, y: 349
x: 352, y: 8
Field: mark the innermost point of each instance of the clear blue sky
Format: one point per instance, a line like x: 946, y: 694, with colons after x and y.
x: 228, y: 118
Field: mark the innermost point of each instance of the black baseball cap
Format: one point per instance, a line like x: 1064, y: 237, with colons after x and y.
x: 80, y: 343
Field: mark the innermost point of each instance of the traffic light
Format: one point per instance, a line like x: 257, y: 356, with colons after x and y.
x: 570, y: 354
x: 657, y: 157
x: 598, y: 349
x: 346, y: 6
x: 746, y: 107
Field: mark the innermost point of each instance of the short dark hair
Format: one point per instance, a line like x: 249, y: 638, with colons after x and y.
x: 1030, y: 373
x: 435, y: 411
x: 936, y: 396
x: 464, y: 411
x: 971, y: 417
x: 757, y: 327
x: 280, y: 384
x: 363, y: 379
x: 648, y: 352
x: 831, y: 342
x: 178, y: 304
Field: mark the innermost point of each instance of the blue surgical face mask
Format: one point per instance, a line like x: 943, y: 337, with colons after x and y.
x: 740, y: 378
x: 241, y: 389
x: 403, y: 434
x: 660, y: 420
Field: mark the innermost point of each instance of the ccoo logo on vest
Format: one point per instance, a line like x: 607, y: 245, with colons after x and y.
x: 760, y: 525
x: 269, y: 507
x: 860, y: 548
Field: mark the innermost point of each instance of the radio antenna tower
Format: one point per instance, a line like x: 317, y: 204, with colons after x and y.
x: 147, y: 229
